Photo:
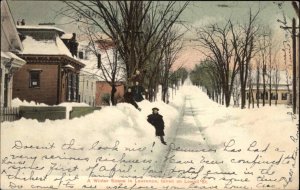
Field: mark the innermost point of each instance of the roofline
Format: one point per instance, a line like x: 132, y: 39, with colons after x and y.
x: 122, y: 82
x: 20, y: 28
x: 72, y: 59
x: 57, y: 55
x: 13, y: 22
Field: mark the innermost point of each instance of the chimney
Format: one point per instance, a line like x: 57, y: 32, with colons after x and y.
x: 73, y: 44
x: 23, y: 22
x: 98, y: 60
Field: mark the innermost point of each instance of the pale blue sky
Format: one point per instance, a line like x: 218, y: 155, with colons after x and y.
x: 35, y: 12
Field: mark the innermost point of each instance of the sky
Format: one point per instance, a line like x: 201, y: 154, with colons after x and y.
x: 197, y: 14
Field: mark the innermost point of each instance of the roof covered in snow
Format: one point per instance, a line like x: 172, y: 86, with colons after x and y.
x: 45, y: 47
x: 67, y: 36
x: 39, y: 27
x: 16, y: 61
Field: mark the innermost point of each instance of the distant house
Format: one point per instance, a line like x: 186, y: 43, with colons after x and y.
x: 10, y: 62
x: 51, y: 74
x: 280, y: 90
x: 103, y: 91
x: 88, y: 78
x: 94, y: 88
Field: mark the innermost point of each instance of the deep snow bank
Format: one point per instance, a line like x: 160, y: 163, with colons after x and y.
x: 122, y: 123
x: 220, y: 123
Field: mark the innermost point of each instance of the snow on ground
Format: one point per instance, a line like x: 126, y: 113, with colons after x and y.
x: 16, y: 102
x: 247, y: 132
x: 192, y: 121
x: 122, y: 122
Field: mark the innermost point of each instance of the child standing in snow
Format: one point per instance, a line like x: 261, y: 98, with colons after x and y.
x: 157, y: 121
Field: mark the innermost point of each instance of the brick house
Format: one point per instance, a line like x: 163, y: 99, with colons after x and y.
x: 103, y: 89
x: 51, y: 73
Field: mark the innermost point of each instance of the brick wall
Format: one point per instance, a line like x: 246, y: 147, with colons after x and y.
x: 103, y: 88
x: 46, y: 93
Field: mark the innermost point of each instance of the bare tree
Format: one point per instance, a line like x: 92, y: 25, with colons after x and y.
x: 273, y: 67
x: 250, y: 87
x: 137, y: 27
x: 263, y: 46
x: 276, y: 77
x: 112, y: 70
x: 206, y: 75
x: 172, y: 46
x: 243, y: 40
x: 215, y: 40
x: 257, y: 82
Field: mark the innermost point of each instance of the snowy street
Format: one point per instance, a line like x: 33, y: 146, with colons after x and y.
x: 209, y: 146
x: 149, y: 95
x: 211, y: 155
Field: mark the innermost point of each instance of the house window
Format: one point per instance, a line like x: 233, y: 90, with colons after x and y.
x: 266, y: 95
x: 74, y: 87
x: 284, y: 96
x: 80, y: 55
x: 6, y: 82
x: 69, y: 86
x: 72, y: 94
x: 274, y: 96
x: 34, y: 79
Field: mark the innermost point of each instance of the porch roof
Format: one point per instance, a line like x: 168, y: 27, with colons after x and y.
x: 16, y: 61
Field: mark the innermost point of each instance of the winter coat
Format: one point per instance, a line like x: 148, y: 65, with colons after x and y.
x: 157, y: 121
x: 136, y: 78
x: 137, y: 93
x: 128, y: 97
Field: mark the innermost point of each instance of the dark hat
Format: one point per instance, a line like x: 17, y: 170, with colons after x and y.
x: 155, y: 109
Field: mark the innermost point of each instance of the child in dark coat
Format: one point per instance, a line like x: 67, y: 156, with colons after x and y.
x: 128, y: 98
x: 157, y: 121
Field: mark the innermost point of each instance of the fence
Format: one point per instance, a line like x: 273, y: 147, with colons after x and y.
x: 9, y: 114
x: 43, y: 113
x: 82, y: 111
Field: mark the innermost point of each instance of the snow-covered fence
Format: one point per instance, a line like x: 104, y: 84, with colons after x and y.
x: 9, y: 114
x: 41, y: 113
x: 82, y: 111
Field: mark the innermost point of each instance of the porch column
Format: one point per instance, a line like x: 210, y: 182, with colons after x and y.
x: 2, y: 74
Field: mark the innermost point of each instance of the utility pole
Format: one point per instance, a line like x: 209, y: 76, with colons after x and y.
x: 294, y: 65
x: 295, y: 94
x: 297, y: 10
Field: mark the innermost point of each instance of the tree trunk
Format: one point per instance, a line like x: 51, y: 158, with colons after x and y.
x: 270, y: 90
x: 252, y: 96
x: 264, y: 85
x: 112, y: 95
x: 243, y: 96
x: 257, y: 87
x: 249, y: 97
